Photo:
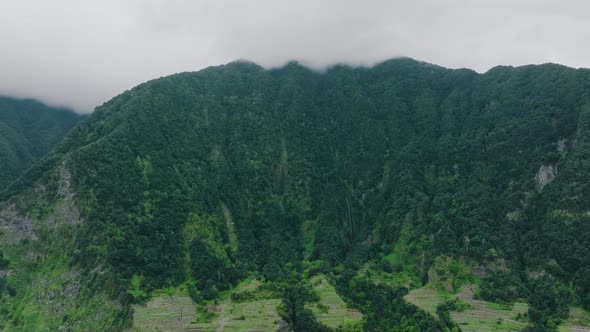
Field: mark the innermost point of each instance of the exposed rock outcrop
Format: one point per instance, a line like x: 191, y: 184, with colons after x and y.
x: 66, y: 211
x: 14, y: 226
x: 545, y: 175
x: 561, y: 145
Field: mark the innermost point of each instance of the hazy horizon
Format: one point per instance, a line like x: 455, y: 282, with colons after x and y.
x: 79, y: 55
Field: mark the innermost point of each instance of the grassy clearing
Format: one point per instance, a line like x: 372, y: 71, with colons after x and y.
x: 254, y: 315
x: 331, y: 310
x: 489, y: 316
x: 481, y: 316
x: 427, y: 298
x: 579, y: 321
x: 392, y: 270
x: 258, y: 315
x: 48, y: 298
x: 166, y: 312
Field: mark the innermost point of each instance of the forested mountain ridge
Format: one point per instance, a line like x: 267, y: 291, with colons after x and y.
x: 201, y: 179
x: 28, y: 131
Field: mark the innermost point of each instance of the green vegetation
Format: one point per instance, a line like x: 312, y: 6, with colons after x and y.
x: 167, y: 311
x: 549, y: 301
x: 382, y: 306
x: 330, y: 309
x: 28, y: 131
x: 380, y: 179
x: 462, y: 310
x: 164, y: 313
x: 425, y: 298
x: 578, y: 321
x: 308, y: 238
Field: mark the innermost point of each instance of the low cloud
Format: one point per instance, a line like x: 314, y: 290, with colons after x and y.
x: 81, y: 53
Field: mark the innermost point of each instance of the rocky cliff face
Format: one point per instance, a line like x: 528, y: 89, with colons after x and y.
x: 545, y: 175
x: 37, y: 234
x: 15, y: 227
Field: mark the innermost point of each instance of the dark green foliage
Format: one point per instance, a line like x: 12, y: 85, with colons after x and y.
x: 501, y: 287
x: 293, y: 310
x: 3, y: 261
x: 582, y: 280
x: 205, y: 177
x: 549, y: 302
x: 3, y: 265
x: 358, y: 150
x: 383, y: 306
x: 28, y: 131
x: 212, y: 271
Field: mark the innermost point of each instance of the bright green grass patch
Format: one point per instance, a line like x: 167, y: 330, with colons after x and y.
x: 36, y: 289
x: 51, y: 299
x: 392, y: 270
x: 331, y: 310
x: 406, y: 277
x: 393, y: 257
x: 445, y: 294
x: 135, y: 289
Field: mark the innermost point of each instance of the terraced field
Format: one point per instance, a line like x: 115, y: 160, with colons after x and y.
x: 481, y: 316
x: 487, y: 316
x: 579, y: 321
x: 165, y: 313
x: 427, y: 298
x: 179, y: 313
x: 331, y: 310
x: 259, y: 315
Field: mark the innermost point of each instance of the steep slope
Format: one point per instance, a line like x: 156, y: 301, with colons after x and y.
x: 28, y: 131
x: 199, y: 179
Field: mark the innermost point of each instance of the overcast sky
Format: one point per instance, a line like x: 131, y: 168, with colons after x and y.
x: 80, y: 53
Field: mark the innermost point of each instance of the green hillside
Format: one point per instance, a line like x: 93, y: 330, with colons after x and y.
x: 377, y: 179
x: 28, y: 131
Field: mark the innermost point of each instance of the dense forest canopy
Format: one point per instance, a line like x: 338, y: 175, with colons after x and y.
x: 28, y: 131
x: 204, y: 178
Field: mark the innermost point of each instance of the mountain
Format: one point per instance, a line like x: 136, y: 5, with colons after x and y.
x: 28, y: 131
x: 374, y: 180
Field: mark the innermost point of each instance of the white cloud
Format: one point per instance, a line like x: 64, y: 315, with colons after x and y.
x: 82, y: 53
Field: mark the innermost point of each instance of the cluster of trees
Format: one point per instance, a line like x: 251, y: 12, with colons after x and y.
x: 383, y: 306
x: 204, y: 177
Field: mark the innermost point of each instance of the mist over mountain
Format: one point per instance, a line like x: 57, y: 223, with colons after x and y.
x: 28, y: 131
x: 237, y: 185
x: 69, y: 56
